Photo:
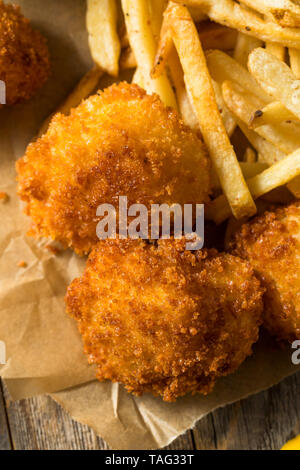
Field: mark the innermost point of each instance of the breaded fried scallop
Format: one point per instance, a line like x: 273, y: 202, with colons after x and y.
x: 162, y: 319
x: 120, y: 142
x: 24, y: 57
x: 271, y: 243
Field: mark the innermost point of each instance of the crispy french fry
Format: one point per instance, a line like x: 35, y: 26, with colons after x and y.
x: 227, y: 116
x: 273, y: 113
x: 198, y: 82
x: 138, y: 23
x: 244, y: 45
x: 286, y: 137
x: 83, y: 89
x: 267, y: 152
x: 249, y: 170
x: 188, y: 114
x: 211, y: 35
x: 277, y: 175
x: 101, y: 20
x: 230, y: 13
x: 284, y: 12
x: 138, y: 78
x: 222, y: 67
x: 276, y: 78
x: 156, y: 10
x: 294, y: 55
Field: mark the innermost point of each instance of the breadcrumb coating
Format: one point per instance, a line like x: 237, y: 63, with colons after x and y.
x: 24, y: 56
x: 165, y: 320
x: 120, y: 142
x: 271, y: 243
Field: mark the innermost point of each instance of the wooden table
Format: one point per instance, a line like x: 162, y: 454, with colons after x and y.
x: 263, y: 421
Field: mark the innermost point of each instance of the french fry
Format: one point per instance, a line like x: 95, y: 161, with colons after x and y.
x: 244, y: 45
x: 277, y: 50
x: 198, y: 82
x: 284, y: 12
x: 277, y: 175
x: 101, y: 20
x: 286, y: 137
x: 83, y: 89
x: 227, y: 116
x: 276, y: 78
x: 138, y: 78
x: 230, y: 13
x: 267, y: 152
x: 156, y: 10
x: 186, y: 110
x: 273, y: 113
x: 141, y: 38
x: 222, y: 67
x: 294, y: 55
x: 249, y: 169
x: 211, y: 35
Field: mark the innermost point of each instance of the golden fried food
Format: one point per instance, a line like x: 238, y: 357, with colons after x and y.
x: 162, y: 319
x: 271, y: 243
x: 24, y: 57
x: 120, y: 142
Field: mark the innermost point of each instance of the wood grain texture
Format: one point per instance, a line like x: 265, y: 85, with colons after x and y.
x: 5, y: 443
x: 263, y: 421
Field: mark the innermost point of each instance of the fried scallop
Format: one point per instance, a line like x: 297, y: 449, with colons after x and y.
x: 120, y: 142
x: 24, y: 56
x: 271, y: 243
x: 162, y: 319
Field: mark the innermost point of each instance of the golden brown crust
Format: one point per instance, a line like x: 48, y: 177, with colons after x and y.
x: 271, y: 243
x: 121, y: 142
x: 164, y: 320
x: 24, y: 57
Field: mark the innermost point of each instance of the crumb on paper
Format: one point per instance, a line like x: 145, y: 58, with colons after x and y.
x: 53, y: 249
x: 22, y: 264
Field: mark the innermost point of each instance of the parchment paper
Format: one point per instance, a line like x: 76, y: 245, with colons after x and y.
x: 44, y: 350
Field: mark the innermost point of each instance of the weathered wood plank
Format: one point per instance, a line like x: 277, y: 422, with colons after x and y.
x: 184, y: 442
x: 263, y: 421
x: 40, y: 424
x: 5, y: 443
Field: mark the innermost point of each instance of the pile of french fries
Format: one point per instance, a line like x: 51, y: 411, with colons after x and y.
x: 230, y: 68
